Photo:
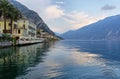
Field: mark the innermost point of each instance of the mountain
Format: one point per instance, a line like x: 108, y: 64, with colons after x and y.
x: 32, y: 15
x: 106, y: 29
x: 58, y: 34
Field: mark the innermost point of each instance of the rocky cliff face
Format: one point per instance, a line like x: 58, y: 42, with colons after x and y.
x: 107, y: 29
x: 32, y: 15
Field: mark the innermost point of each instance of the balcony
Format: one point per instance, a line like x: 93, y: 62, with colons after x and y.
x: 6, y: 31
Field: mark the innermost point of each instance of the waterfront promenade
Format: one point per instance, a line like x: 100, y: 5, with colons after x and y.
x: 5, y: 44
x: 10, y: 43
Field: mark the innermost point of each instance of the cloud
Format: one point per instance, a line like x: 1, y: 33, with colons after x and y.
x: 74, y: 17
x: 80, y: 19
x: 60, y: 2
x: 53, y: 12
x: 58, y: 18
x: 108, y: 7
x: 74, y: 20
x: 36, y: 5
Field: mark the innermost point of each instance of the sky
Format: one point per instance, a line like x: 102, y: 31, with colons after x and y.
x: 64, y: 15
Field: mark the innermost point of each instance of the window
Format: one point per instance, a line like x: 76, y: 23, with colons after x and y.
x: 19, y: 31
x: 9, y: 24
x: 15, y: 26
x: 24, y: 26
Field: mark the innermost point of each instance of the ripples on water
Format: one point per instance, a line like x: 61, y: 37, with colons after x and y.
x: 62, y: 60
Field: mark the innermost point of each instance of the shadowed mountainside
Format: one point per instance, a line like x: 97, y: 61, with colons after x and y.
x: 106, y: 29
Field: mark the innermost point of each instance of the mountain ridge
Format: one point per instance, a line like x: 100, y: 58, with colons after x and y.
x: 106, y: 29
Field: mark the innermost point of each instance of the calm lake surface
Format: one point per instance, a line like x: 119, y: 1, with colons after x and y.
x: 62, y: 60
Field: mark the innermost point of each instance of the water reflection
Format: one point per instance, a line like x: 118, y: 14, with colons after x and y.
x: 62, y: 60
x: 14, y: 61
x: 101, y: 58
x: 108, y: 49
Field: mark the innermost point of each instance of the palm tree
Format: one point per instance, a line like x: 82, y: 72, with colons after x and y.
x: 4, y: 5
x: 9, y: 12
x: 13, y: 15
x: 0, y: 13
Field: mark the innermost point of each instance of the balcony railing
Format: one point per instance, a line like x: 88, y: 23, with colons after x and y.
x: 6, y: 31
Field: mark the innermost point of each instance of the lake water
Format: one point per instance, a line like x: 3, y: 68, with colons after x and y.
x: 62, y: 60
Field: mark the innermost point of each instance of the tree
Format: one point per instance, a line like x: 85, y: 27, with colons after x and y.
x: 4, y: 5
x: 13, y: 15
x: 0, y: 13
x: 9, y: 12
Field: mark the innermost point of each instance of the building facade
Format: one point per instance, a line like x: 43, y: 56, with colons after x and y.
x: 24, y: 29
x: 8, y: 26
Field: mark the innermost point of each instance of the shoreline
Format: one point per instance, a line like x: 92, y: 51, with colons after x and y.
x: 8, y: 46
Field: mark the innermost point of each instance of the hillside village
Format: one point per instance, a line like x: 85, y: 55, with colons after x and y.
x: 16, y: 29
